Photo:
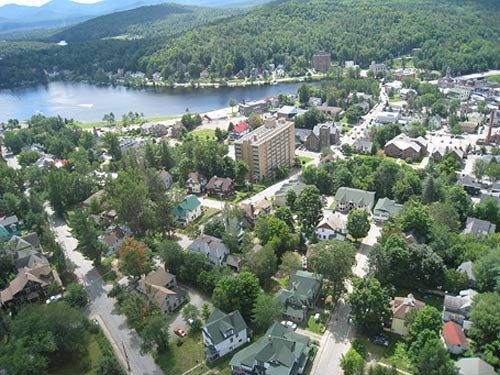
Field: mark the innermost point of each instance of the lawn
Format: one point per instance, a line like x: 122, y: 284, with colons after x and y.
x: 203, y: 133
x: 495, y: 78
x: 396, y: 99
x: 397, y: 63
x: 104, y: 124
x: 313, y: 326
x: 395, y: 355
x: 283, y: 282
x: 179, y: 359
x: 207, y: 215
x: 304, y: 159
x: 333, y: 205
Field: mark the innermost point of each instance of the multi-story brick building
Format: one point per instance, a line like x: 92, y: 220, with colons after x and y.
x: 321, y: 61
x: 268, y: 147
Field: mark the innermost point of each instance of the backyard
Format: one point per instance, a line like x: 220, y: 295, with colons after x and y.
x: 395, y: 354
x: 178, y: 359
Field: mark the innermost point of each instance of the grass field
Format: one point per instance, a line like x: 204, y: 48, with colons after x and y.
x: 398, y: 63
x: 304, y: 159
x: 394, y: 355
x: 179, y: 359
x: 104, y: 124
x: 494, y: 78
x: 313, y: 326
x: 204, y: 133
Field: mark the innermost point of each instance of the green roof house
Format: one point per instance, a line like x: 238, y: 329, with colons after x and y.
x: 348, y: 199
x: 279, y: 352
x: 301, y: 296
x: 188, y: 211
x: 223, y: 333
x: 384, y: 209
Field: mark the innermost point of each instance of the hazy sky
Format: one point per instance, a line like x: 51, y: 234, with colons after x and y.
x: 39, y: 2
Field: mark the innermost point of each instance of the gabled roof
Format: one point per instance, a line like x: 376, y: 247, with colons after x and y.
x: 224, y: 184
x: 478, y: 226
x: 401, y: 306
x: 334, y: 221
x: 281, y: 350
x: 154, y: 284
x: 30, y: 240
x: 303, y: 287
x: 219, y: 325
x: 360, y: 197
x: 387, y: 206
x: 453, y: 334
x: 30, y: 259
x: 9, y: 221
x: 474, y: 366
x: 241, y: 127
x: 190, y: 203
x: 467, y: 268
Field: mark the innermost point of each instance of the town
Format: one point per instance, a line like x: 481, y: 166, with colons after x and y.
x: 349, y: 228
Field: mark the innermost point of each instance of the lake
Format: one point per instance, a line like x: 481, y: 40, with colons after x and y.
x: 88, y: 103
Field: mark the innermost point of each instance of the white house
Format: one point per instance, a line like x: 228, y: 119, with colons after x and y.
x: 212, y: 247
x: 224, y: 333
x: 333, y: 226
x: 388, y: 117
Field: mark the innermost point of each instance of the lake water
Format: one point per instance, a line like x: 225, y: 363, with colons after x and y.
x: 88, y: 103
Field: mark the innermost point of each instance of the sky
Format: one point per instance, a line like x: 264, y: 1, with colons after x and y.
x: 39, y: 2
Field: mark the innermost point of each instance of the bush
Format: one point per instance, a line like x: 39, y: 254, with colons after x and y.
x: 179, y: 342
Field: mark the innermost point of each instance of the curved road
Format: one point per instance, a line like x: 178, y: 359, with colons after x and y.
x: 102, y: 306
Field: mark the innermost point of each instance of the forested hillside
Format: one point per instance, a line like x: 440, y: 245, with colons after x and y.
x: 146, y: 22
x: 464, y: 35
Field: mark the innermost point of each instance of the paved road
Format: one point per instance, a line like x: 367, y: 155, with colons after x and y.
x: 103, y: 306
x: 337, y: 339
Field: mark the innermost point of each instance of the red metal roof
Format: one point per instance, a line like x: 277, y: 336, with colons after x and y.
x: 454, y: 335
x: 241, y: 127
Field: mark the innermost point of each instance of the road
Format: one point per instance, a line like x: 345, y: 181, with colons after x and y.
x: 337, y: 339
x: 102, y: 306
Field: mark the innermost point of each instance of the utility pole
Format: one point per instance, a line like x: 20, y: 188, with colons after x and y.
x: 126, y: 358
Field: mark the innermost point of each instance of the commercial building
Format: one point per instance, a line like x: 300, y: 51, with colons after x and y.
x: 322, y: 61
x: 268, y: 147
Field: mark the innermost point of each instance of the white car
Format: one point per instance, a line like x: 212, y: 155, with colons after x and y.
x: 55, y: 298
x: 289, y: 324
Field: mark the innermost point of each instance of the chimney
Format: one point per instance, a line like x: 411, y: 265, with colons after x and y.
x: 255, y: 138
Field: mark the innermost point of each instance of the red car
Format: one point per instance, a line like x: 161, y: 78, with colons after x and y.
x: 180, y: 332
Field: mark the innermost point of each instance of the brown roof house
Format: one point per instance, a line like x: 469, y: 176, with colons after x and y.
x: 195, y: 183
x: 220, y: 187
x: 253, y: 210
x: 30, y: 285
x: 113, y: 237
x: 401, y: 307
x: 160, y: 288
x: 405, y: 147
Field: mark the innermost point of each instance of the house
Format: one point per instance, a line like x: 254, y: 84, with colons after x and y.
x: 224, y: 333
x: 195, y: 183
x: 286, y: 112
x: 388, y: 117
x: 301, y: 296
x: 278, y: 351
x: 29, y: 258
x: 321, y: 136
x: 454, y: 338
x: 377, y: 68
x: 469, y: 184
x: 322, y: 61
x: 362, y: 145
x: 460, y: 93
x: 405, y: 147
x: 474, y: 366
x: 314, y: 101
x: 441, y: 152
x: 400, y: 308
x: 44, y: 161
x: 29, y: 285
x: 259, y: 106
x: 188, y: 211
x: 113, y: 237
x: 329, y: 111
x: 478, y: 227
x: 204, y: 74
x: 483, y: 197
x: 161, y: 289
x: 348, y: 199
x: 403, y: 93
x: 332, y: 227
x: 468, y: 127
x: 468, y: 269
x: 252, y: 211
x: 457, y: 308
x: 234, y: 262
x: 220, y: 187
x: 29, y: 242
x: 240, y: 130
x: 386, y: 208
x: 211, y: 247
x: 166, y: 179
x: 294, y: 184
x: 10, y: 226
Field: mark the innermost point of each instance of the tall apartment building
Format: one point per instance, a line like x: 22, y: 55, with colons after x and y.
x: 270, y: 146
x: 322, y: 61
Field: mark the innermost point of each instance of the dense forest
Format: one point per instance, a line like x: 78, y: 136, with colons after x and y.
x: 463, y: 35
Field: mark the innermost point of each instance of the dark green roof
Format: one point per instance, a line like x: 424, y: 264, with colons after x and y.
x: 284, y: 350
x: 190, y: 203
x: 219, y: 325
x: 386, y: 205
x: 303, y: 288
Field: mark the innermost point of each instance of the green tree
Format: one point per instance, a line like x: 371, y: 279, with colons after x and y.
x: 109, y: 118
x: 205, y: 312
x: 291, y: 198
x: 171, y: 254
x: 369, y: 305
x: 309, y: 206
x: 416, y: 217
x: 254, y: 120
x: 426, y: 318
x: 232, y: 103
x: 290, y: 262
x: 479, y: 168
x: 487, y: 271
x: 155, y: 334
x: 434, y: 359
x: 358, y: 225
x: 108, y: 365
x: 135, y: 257
x: 112, y: 144
x: 190, y: 312
x: 237, y: 293
x: 84, y: 229
x: 76, y: 295
x: 352, y: 363
x: 265, y: 312
x: 304, y: 93
x: 263, y: 264
x: 334, y: 260
x: 285, y: 215
x: 485, y: 314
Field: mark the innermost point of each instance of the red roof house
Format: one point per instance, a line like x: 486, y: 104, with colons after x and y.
x: 240, y: 130
x: 454, y: 338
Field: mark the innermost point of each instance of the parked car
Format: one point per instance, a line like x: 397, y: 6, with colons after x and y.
x: 317, y: 317
x: 180, y: 332
x: 55, y: 298
x: 380, y: 340
x: 289, y: 324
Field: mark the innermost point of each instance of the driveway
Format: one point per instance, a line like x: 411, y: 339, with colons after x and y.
x: 125, y: 342
x: 195, y: 298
